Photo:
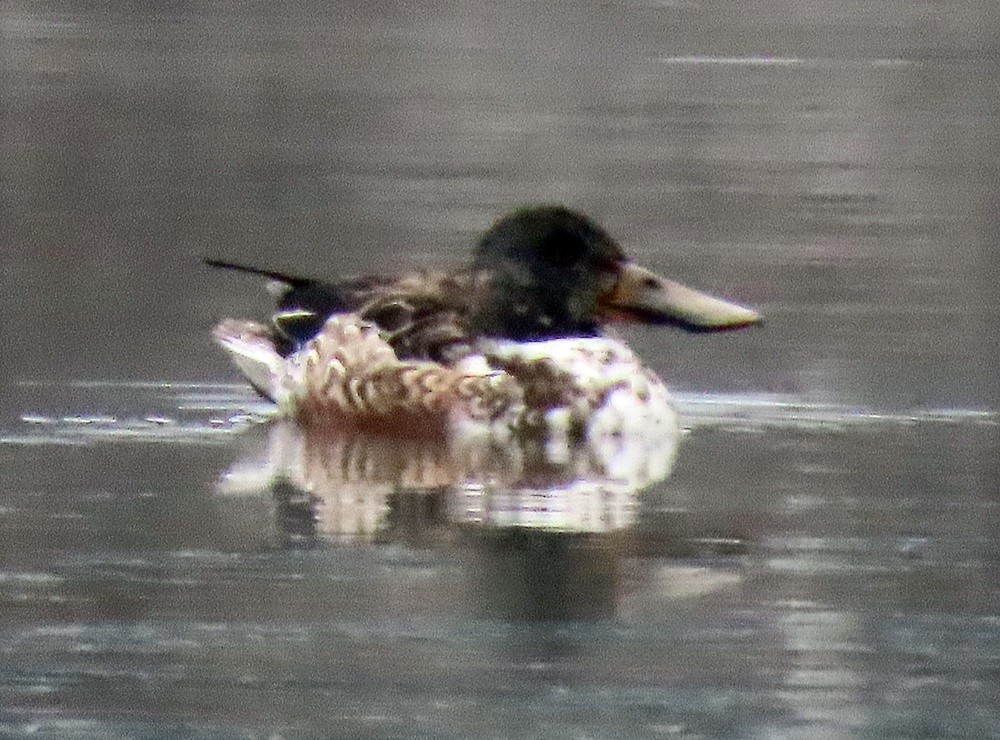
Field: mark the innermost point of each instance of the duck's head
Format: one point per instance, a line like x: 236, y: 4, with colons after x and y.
x: 552, y: 272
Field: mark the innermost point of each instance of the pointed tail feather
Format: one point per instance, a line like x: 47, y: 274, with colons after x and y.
x: 291, y: 280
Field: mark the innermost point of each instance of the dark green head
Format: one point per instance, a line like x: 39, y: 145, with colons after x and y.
x: 549, y: 272
x: 548, y: 267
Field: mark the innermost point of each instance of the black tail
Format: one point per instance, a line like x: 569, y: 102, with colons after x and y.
x: 304, y: 304
x: 290, y: 280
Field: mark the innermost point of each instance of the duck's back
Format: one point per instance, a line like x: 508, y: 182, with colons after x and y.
x: 421, y: 316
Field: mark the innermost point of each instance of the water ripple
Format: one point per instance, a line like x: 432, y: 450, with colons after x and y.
x: 209, y: 413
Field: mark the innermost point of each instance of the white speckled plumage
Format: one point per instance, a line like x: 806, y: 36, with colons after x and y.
x: 603, y: 389
x: 564, y: 390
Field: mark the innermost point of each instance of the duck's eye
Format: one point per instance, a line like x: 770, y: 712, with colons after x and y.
x: 651, y: 283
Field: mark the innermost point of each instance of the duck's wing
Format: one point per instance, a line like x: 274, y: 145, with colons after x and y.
x: 422, y: 316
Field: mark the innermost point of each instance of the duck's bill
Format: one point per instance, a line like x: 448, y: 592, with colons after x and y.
x: 641, y: 295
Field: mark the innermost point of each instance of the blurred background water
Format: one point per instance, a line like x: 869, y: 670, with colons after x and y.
x: 821, y: 564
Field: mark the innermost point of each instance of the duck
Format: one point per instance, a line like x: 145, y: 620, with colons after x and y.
x: 519, y: 342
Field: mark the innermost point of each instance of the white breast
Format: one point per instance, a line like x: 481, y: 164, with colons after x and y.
x: 624, y: 409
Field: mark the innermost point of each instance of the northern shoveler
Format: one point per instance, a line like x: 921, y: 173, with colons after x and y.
x: 510, y: 344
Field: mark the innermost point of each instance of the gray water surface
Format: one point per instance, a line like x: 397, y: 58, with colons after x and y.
x: 839, y: 584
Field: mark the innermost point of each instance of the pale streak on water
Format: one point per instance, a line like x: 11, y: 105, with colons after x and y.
x: 764, y: 61
x: 190, y: 413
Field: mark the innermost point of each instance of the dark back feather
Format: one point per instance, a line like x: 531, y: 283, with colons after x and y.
x: 422, y: 316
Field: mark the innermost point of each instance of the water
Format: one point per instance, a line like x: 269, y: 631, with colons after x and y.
x: 822, y: 562
x: 805, y: 571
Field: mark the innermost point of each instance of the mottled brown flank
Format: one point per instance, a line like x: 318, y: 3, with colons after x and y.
x: 350, y: 376
x: 407, y: 399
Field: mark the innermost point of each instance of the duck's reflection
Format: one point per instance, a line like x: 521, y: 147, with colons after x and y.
x: 378, y: 486
x: 541, y: 535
